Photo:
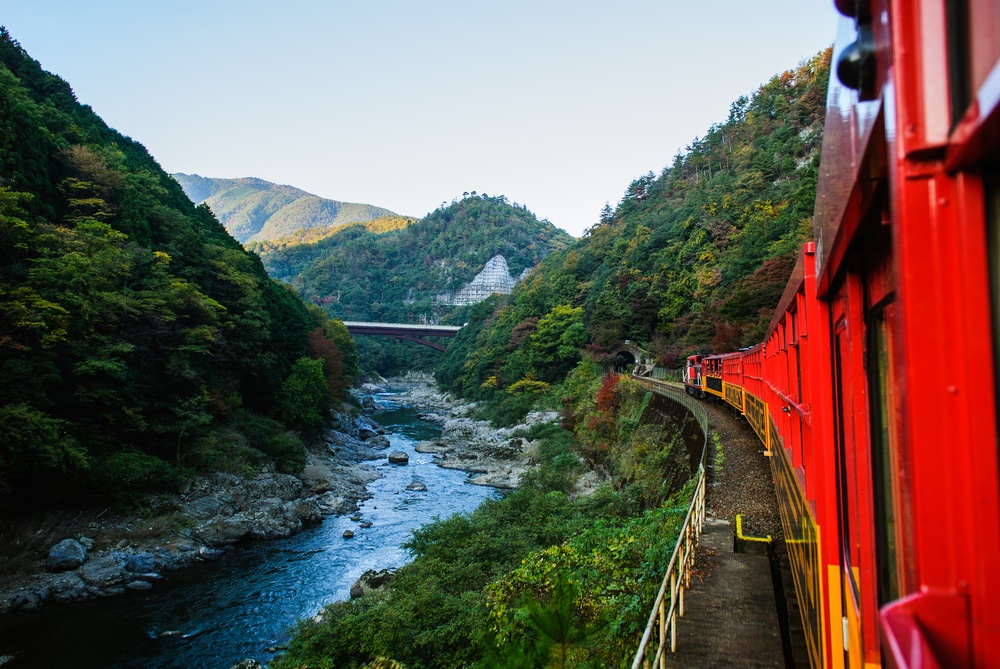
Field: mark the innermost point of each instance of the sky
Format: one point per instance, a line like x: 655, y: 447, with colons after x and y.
x: 408, y: 104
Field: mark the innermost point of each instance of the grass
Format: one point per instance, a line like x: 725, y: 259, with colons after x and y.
x: 26, y: 541
x: 720, y: 455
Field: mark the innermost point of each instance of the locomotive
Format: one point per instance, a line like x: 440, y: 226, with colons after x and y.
x: 874, y: 391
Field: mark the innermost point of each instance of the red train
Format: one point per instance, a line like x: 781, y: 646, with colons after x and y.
x: 874, y: 392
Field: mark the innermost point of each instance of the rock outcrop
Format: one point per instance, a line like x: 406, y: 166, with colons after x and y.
x: 370, y: 581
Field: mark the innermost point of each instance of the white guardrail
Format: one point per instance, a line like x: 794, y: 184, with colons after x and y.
x: 663, y: 618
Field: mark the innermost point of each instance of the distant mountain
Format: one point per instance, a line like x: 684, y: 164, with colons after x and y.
x: 365, y: 273
x: 400, y: 270
x: 252, y: 209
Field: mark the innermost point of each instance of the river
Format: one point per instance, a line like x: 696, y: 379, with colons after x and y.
x: 216, y: 614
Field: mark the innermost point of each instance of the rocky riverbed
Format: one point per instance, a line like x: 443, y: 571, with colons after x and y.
x: 495, y: 457
x: 212, y: 513
x: 242, y: 605
x: 209, y: 514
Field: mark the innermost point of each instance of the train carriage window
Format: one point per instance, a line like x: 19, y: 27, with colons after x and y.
x: 992, y: 184
x: 884, y: 446
x: 958, y: 58
x: 798, y: 373
x: 847, y: 493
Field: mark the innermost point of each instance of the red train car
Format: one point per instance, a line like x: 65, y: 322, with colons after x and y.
x: 693, y: 377
x: 875, y: 389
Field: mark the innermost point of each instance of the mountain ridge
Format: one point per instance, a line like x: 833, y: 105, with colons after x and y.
x: 254, y: 209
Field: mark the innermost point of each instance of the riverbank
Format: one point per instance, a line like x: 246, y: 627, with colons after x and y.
x: 495, y: 568
x: 242, y: 606
x: 101, y: 553
x: 71, y: 557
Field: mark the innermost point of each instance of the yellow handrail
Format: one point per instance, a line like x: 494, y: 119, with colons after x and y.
x: 663, y: 620
x: 678, y: 576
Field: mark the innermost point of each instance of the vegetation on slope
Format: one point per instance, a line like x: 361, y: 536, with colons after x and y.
x: 491, y: 589
x: 306, y: 236
x: 368, y: 273
x: 137, y: 338
x: 692, y: 260
x: 253, y: 209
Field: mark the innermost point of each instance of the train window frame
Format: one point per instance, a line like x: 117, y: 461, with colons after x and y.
x: 991, y: 194
x: 848, y: 523
x: 884, y: 444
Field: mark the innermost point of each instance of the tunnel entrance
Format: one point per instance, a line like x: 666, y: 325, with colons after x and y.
x: 624, y: 361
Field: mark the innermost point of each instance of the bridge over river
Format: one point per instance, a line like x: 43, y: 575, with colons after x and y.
x: 408, y: 331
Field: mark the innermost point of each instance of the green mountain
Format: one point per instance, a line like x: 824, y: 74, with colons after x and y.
x: 395, y: 270
x: 137, y: 337
x: 254, y: 210
x: 692, y: 260
x: 367, y: 272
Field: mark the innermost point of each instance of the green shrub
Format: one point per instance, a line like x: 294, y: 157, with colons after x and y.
x: 127, y: 474
x: 33, y: 443
x: 247, y: 443
x: 303, y: 397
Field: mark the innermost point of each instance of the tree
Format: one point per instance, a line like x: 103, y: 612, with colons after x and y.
x: 302, y: 399
x: 555, y: 344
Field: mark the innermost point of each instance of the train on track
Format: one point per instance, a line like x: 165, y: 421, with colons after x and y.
x: 874, y: 392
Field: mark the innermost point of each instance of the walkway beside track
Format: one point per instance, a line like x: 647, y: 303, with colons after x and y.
x: 730, y: 612
x: 730, y: 617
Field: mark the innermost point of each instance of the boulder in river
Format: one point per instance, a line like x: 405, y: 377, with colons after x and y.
x: 65, y: 555
x: 248, y: 664
x: 371, y: 580
x: 141, y: 562
x: 378, y: 442
x: 348, y: 534
x: 366, y: 433
x: 431, y: 447
x: 417, y: 485
x: 398, y: 458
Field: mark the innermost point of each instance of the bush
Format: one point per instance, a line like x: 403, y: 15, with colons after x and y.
x: 128, y: 474
x: 34, y: 444
x: 248, y: 442
x: 302, y: 400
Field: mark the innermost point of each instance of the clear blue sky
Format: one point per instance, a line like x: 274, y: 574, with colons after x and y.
x: 406, y: 104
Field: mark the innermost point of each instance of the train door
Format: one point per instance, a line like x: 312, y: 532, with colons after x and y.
x: 852, y: 466
x: 881, y: 368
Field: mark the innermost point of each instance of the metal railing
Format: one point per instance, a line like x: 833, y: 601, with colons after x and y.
x: 663, y: 618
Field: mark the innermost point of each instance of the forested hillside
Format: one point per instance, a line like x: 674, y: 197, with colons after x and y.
x: 369, y: 273
x: 137, y: 338
x: 392, y: 271
x: 691, y: 260
x: 253, y: 209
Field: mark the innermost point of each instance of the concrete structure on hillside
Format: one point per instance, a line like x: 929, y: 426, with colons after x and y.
x: 495, y: 278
